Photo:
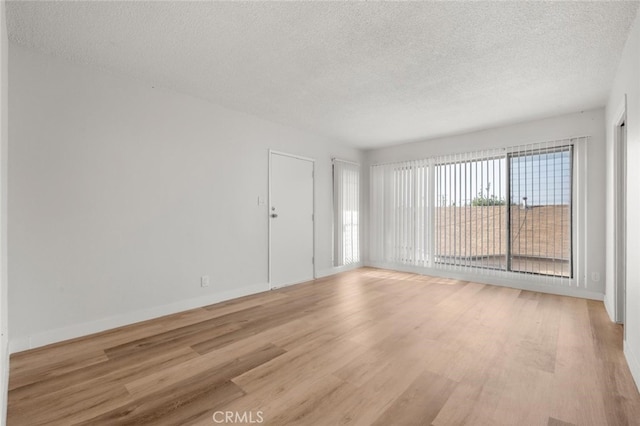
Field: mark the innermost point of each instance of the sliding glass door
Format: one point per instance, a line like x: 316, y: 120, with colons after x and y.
x: 540, y: 195
x: 470, y: 214
x: 495, y: 210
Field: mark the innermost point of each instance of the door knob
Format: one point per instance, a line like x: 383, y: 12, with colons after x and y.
x: 274, y: 215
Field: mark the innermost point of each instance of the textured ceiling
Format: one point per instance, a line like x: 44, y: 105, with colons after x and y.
x: 366, y: 73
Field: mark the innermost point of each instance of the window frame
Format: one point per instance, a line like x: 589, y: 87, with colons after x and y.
x: 577, y: 217
x: 339, y: 182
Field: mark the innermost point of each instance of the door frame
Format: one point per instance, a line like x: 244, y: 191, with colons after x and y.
x: 620, y: 213
x: 313, y: 196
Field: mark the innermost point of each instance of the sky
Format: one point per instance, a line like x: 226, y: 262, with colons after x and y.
x: 543, y: 177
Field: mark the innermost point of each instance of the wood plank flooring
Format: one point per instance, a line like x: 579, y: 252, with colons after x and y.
x: 364, y: 347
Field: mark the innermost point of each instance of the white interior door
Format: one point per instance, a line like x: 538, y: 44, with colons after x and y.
x: 291, y: 220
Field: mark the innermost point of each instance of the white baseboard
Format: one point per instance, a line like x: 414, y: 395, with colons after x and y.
x: 323, y: 274
x: 634, y: 364
x: 5, y: 381
x: 78, y: 330
x: 608, y: 306
x: 512, y: 282
x: 337, y: 269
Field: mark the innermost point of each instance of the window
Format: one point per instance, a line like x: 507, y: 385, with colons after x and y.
x: 346, y: 212
x: 540, y: 212
x: 399, y: 213
x: 470, y: 215
x: 529, y: 231
x: 494, y: 211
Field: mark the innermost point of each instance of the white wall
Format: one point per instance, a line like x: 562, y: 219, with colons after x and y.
x: 587, y: 123
x: 122, y: 195
x: 627, y: 82
x: 4, y: 347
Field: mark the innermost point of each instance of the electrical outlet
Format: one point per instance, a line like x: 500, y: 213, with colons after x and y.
x: 204, y: 281
x: 595, y: 276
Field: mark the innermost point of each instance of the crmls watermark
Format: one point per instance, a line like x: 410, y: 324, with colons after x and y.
x: 238, y: 417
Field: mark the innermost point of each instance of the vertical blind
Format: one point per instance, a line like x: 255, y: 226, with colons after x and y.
x: 399, y: 205
x: 493, y: 211
x: 346, y: 212
x: 470, y: 215
x: 540, y: 193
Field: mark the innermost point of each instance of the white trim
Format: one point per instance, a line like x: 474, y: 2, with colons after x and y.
x: 333, y: 211
x: 334, y: 159
x: 619, y: 213
x: 5, y: 382
x: 505, y: 279
x: 339, y: 269
x: 269, y: 220
x: 91, y: 327
x: 4, y: 283
x: 290, y: 283
x: 87, y: 328
x: 296, y: 156
x: 621, y: 111
x: 327, y: 273
x: 481, y: 154
x: 431, y: 207
x: 579, y: 202
x: 634, y: 363
x: 313, y: 184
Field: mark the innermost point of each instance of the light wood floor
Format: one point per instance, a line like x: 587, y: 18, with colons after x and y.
x: 364, y: 347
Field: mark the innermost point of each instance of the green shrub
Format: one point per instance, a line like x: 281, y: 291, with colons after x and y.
x: 489, y: 200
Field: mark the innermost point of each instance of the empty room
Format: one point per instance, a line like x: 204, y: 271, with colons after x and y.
x: 320, y: 213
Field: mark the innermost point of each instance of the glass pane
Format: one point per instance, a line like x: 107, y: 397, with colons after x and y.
x: 470, y: 213
x: 350, y: 216
x: 540, y: 206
